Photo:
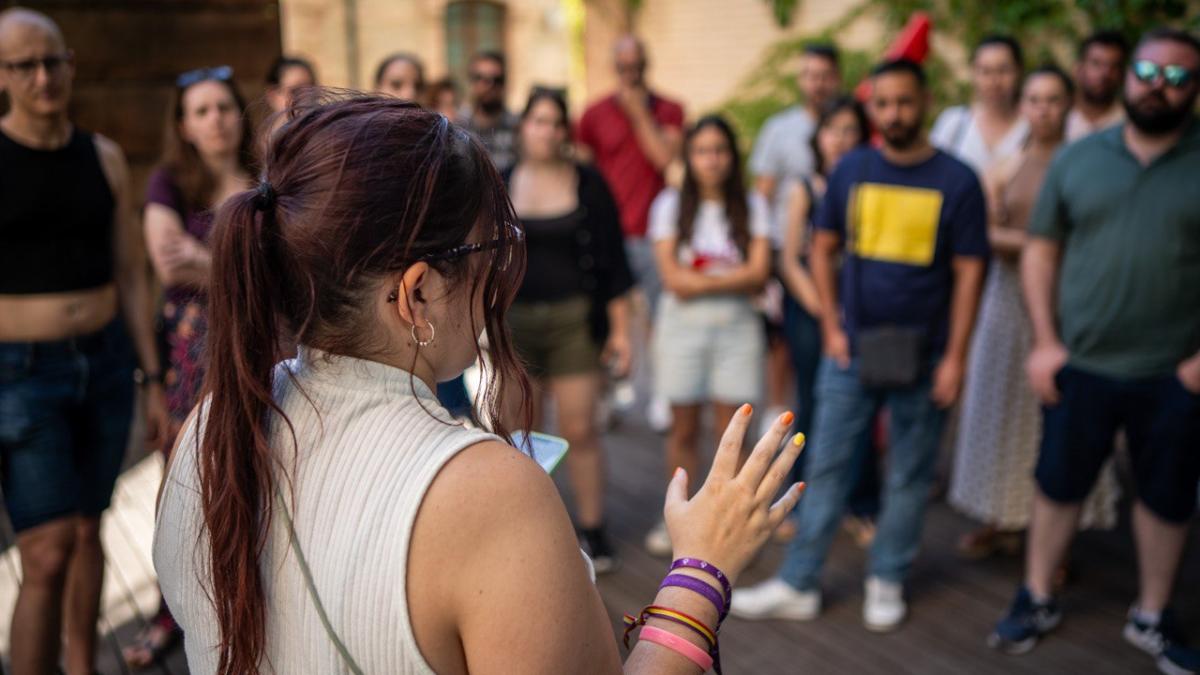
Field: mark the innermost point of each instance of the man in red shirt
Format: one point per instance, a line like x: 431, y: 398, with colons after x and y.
x: 632, y: 136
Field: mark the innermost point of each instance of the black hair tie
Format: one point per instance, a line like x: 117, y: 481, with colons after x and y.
x: 264, y: 200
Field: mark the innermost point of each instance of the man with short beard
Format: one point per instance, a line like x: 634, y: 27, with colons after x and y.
x: 1098, y: 73
x: 485, y: 115
x: 910, y: 224
x: 1112, y: 282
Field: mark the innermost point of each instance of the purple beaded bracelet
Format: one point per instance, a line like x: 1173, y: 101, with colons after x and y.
x: 710, y: 569
x: 700, y: 587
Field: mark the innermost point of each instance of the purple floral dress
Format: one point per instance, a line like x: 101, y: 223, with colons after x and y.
x: 183, y: 325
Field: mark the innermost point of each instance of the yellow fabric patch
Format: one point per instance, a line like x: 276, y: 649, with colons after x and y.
x: 894, y: 223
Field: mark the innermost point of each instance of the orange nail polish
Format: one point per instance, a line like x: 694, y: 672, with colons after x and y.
x: 747, y: 409
x: 787, y: 418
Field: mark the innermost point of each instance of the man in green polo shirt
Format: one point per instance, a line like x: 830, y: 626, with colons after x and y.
x: 1112, y: 282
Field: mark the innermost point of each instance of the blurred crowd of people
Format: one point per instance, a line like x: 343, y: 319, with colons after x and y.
x: 1019, y: 287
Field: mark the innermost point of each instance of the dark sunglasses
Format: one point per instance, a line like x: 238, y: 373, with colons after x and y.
x: 493, y: 80
x: 220, y: 73
x: 27, y: 67
x: 515, y: 236
x: 1174, y: 75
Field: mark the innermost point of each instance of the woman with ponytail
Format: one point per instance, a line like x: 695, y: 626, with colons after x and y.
x: 324, y: 514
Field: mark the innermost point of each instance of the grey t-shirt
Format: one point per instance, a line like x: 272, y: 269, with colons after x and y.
x: 1129, y: 283
x: 782, y: 150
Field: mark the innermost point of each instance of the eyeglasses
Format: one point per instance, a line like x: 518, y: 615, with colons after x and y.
x: 1174, y: 75
x: 515, y: 236
x: 27, y: 68
x: 221, y: 73
x: 491, y: 80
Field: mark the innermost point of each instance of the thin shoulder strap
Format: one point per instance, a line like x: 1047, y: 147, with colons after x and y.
x: 312, y: 588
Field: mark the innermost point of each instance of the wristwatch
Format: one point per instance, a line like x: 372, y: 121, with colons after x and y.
x: 142, y: 378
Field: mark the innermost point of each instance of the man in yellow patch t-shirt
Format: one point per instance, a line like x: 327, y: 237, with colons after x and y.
x: 909, y: 223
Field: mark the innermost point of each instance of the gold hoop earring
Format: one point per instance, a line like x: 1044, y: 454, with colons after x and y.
x: 420, y: 342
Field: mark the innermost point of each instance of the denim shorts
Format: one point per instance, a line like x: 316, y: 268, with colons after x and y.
x: 65, y: 411
x: 1161, y: 420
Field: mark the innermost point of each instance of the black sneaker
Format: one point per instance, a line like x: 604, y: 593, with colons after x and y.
x: 600, y: 550
x: 1163, y: 642
x: 1027, y: 621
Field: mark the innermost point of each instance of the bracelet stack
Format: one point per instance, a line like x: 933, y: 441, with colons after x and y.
x: 706, y: 661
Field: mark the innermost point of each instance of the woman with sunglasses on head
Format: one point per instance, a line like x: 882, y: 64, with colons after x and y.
x: 713, y: 254
x: 325, y: 514
x: 74, y: 310
x: 206, y: 158
x: 1001, y: 425
x: 570, y: 318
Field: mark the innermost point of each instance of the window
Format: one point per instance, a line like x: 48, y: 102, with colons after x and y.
x: 472, y: 26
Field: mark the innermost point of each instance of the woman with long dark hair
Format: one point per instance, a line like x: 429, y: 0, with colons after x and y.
x: 325, y: 514
x: 570, y: 318
x: 713, y: 254
x: 206, y: 158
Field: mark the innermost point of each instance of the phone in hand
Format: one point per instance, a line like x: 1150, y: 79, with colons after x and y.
x: 548, y: 451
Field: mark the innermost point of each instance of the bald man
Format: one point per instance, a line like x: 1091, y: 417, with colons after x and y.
x: 75, y: 319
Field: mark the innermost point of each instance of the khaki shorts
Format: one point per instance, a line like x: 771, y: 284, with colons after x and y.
x: 554, y: 338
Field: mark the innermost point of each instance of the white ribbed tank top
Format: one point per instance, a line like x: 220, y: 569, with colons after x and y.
x: 367, y: 454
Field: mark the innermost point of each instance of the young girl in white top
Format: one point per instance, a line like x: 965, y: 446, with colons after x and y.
x: 713, y: 254
x: 326, y: 515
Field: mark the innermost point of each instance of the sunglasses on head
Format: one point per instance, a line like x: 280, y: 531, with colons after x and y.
x: 1174, y: 75
x: 493, y: 80
x: 221, y: 73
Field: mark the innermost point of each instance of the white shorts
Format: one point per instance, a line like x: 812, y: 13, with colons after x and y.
x: 709, y: 349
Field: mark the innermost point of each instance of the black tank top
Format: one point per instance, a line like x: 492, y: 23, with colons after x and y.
x: 56, y: 218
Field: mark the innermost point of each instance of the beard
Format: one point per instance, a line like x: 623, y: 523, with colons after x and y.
x: 492, y: 106
x: 1153, y: 115
x: 1098, y: 96
x: 901, y: 137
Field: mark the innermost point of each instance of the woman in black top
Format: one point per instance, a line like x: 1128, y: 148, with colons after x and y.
x: 569, y: 320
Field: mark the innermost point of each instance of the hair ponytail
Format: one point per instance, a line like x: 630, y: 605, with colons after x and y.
x: 235, y: 459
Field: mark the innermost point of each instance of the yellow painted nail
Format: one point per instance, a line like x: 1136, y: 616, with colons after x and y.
x: 798, y: 439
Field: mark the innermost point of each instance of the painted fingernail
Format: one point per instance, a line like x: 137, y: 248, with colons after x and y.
x: 678, y: 471
x: 801, y: 487
x: 798, y: 439
x: 747, y: 409
x: 787, y: 418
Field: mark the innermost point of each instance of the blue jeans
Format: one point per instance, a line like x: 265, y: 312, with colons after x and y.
x: 844, y: 413
x: 803, y: 335
x: 65, y: 411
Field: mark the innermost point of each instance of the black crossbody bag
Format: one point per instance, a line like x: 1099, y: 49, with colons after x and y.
x: 889, y: 355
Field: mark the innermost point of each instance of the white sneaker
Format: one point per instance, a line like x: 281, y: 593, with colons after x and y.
x: 658, y: 414
x: 775, y: 599
x: 884, y: 607
x: 658, y: 541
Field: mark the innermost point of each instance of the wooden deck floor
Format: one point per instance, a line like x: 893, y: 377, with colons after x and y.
x: 953, y: 604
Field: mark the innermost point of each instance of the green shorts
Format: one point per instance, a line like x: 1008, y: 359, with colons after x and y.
x: 554, y: 338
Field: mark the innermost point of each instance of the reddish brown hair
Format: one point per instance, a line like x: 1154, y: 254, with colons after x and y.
x: 363, y: 187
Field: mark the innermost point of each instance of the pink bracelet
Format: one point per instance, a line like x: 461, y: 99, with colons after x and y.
x: 678, y: 645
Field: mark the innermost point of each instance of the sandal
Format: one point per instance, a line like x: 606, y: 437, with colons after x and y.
x: 153, y: 642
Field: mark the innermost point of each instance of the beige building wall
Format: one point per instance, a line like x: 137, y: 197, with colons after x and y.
x: 700, y: 50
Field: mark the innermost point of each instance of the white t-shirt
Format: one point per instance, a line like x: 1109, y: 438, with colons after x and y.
x: 712, y: 249
x: 955, y: 132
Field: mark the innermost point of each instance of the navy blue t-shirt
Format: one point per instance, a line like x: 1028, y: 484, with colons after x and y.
x: 906, y: 224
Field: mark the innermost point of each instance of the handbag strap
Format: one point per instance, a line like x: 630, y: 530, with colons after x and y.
x: 312, y: 588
